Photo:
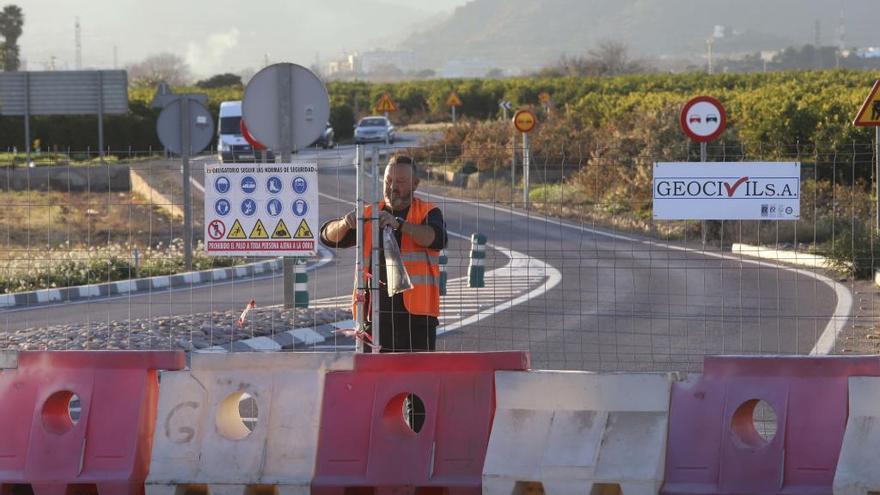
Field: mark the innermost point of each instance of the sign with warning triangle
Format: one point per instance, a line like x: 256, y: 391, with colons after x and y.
x: 303, y: 231
x: 869, y: 114
x: 453, y: 100
x: 281, y: 231
x: 385, y: 104
x: 259, y: 232
x: 236, y: 232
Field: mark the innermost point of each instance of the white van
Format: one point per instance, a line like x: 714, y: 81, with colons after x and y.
x: 231, y: 145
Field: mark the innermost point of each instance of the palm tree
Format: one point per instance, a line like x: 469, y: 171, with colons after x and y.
x: 11, y: 22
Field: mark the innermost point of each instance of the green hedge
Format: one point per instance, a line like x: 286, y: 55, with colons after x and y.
x: 767, y: 109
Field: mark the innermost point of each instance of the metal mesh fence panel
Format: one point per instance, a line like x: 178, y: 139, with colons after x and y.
x: 576, y: 270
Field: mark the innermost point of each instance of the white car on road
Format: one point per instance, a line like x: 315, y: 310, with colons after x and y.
x: 374, y: 128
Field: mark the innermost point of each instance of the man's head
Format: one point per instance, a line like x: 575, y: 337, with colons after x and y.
x: 400, y: 182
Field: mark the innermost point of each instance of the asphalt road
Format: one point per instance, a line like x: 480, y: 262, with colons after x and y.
x: 605, y: 302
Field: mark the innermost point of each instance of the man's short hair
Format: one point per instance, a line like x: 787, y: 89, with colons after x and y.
x: 402, y: 159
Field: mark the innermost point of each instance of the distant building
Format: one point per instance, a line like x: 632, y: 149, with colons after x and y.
x: 347, y: 64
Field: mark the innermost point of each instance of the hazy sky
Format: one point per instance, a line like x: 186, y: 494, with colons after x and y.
x: 218, y: 35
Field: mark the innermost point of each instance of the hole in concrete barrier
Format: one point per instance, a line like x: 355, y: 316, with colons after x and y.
x: 359, y: 490
x: 59, y: 414
x: 605, y: 489
x: 753, y: 424
x: 528, y: 488
x: 405, y: 413
x: 16, y: 489
x: 237, y: 415
x: 195, y: 489
x: 82, y: 489
x: 261, y: 490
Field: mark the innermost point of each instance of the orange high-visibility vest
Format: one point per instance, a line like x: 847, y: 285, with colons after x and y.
x: 422, y: 264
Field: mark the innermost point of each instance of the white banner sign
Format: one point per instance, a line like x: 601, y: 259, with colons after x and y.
x: 727, y: 191
x: 261, y: 209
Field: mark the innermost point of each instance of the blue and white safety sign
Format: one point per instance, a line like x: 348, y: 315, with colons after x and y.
x: 248, y: 207
x: 273, y: 207
x: 300, y: 207
x: 300, y: 185
x: 221, y: 184
x: 262, y: 209
x: 248, y: 184
x: 222, y: 207
x: 273, y: 185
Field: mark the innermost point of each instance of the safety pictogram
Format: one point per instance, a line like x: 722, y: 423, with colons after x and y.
x: 216, y: 229
x: 281, y: 231
x: 453, y: 100
x: 236, y: 232
x: 259, y: 232
x: 303, y: 231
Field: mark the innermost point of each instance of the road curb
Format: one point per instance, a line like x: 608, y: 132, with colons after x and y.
x: 284, y: 341
x: 135, y: 286
x: 781, y: 255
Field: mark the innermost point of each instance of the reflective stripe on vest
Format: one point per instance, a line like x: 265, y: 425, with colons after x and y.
x: 422, y: 264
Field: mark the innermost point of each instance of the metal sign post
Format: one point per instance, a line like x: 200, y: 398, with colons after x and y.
x: 185, y: 127
x: 526, y: 163
x: 187, y: 190
x: 284, y: 81
x: 703, y: 119
x: 525, y: 121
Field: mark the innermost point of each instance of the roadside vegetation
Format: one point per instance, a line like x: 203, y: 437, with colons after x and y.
x: 53, y: 239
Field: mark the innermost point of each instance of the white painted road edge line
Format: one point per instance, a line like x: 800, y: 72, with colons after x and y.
x: 516, y: 261
x: 825, y: 343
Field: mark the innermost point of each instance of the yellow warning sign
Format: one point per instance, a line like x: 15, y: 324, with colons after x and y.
x: 385, y: 104
x: 281, y: 231
x: 544, y: 97
x: 453, y: 100
x: 303, y: 231
x: 259, y: 232
x: 236, y: 232
x: 869, y: 114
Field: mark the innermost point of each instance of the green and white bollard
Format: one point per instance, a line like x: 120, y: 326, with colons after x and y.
x: 477, y: 267
x: 301, y: 284
x: 444, y: 260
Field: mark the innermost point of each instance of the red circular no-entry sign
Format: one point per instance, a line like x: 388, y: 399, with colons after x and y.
x: 703, y: 119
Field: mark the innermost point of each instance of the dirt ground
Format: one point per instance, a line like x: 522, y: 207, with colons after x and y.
x: 35, y: 220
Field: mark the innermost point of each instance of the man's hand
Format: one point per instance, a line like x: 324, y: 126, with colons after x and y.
x: 388, y: 220
x: 350, y: 219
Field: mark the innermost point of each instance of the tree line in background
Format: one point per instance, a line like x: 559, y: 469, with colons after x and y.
x: 765, y: 109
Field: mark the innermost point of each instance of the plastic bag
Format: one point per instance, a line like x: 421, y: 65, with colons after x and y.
x: 398, y: 279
